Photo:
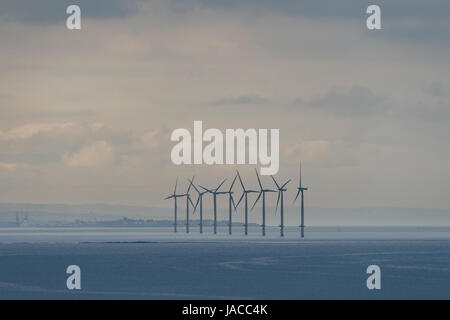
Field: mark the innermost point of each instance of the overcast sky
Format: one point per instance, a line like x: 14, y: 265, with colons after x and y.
x: 86, y: 116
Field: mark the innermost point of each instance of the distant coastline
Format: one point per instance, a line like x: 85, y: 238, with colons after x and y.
x: 110, y: 215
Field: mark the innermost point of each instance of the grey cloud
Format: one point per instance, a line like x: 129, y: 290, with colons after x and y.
x: 437, y: 89
x: 430, y: 111
x: 421, y: 29
x: 434, y: 106
x: 56, y: 114
x: 46, y: 146
x: 44, y: 12
x: 414, y: 20
x: 356, y: 101
x: 50, y: 10
x: 359, y: 101
x: 241, y: 100
x: 410, y: 21
x: 417, y: 9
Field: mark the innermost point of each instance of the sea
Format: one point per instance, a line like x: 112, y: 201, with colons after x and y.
x: 156, y: 263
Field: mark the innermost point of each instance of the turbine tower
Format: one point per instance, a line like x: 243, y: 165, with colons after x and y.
x: 280, y: 195
x: 245, y: 193
x: 262, y: 192
x: 214, y: 192
x: 188, y: 200
x: 301, y: 190
x: 199, y: 201
x: 230, y: 202
x: 174, y: 196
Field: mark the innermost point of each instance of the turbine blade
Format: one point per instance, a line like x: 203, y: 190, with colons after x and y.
x: 284, y: 185
x: 240, y: 199
x: 220, y: 184
x: 242, y: 184
x: 175, y: 190
x: 196, y: 204
x: 300, y: 176
x: 275, y: 182
x: 169, y: 197
x: 232, y: 184
x: 256, y: 200
x: 207, y: 190
x: 259, y: 181
x: 194, y: 186
x: 234, y: 204
x: 296, y: 196
x: 190, y: 184
x: 278, y: 200
x: 192, y: 203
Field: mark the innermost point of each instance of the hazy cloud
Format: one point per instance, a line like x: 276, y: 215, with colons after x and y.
x: 433, y: 9
x: 355, y: 101
x: 311, y: 150
x: 431, y: 111
x: 7, y: 166
x: 241, y: 100
x: 95, y: 155
x: 412, y: 20
x: 29, y: 130
x: 151, y: 139
x: 54, y: 11
x: 437, y: 89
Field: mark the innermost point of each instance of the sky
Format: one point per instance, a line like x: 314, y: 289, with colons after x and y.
x: 86, y: 115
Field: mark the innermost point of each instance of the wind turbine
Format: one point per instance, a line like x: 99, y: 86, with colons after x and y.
x: 230, y: 201
x: 214, y: 193
x: 188, y: 200
x: 245, y: 193
x: 199, y: 201
x: 262, y: 192
x: 174, y: 196
x: 280, y: 195
x: 301, y: 189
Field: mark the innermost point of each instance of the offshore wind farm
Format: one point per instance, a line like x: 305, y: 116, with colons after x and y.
x: 233, y: 206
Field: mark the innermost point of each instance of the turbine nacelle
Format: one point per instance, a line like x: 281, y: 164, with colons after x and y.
x: 211, y: 190
x: 261, y: 190
x: 281, y: 189
x: 174, y: 194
